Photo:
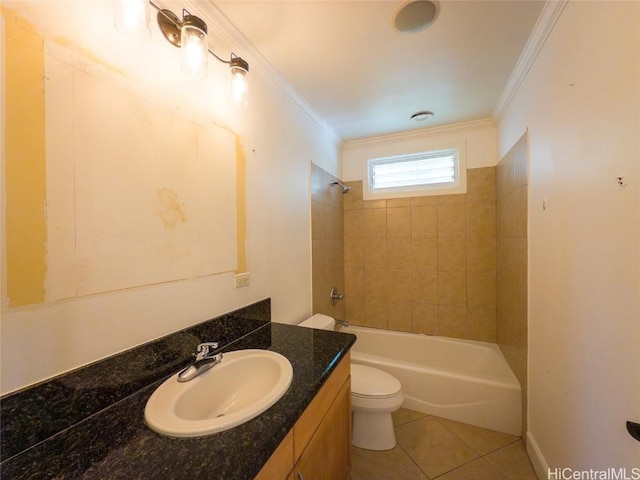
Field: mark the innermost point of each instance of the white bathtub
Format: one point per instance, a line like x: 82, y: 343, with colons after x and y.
x: 462, y: 380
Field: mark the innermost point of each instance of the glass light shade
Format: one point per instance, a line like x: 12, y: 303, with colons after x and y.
x: 132, y: 16
x: 239, y: 86
x: 193, y: 41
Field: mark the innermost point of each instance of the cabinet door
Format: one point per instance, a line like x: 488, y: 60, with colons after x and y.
x: 328, y: 454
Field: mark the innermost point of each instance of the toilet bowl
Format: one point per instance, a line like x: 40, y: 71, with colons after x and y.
x: 374, y: 396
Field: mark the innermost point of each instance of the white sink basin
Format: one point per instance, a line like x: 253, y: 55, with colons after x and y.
x: 241, y: 387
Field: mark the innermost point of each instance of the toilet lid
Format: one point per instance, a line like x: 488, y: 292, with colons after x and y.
x: 371, y: 382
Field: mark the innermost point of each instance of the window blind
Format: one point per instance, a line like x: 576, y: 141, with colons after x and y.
x: 415, y: 170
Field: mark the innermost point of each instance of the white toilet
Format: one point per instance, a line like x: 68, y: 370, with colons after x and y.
x: 374, y: 395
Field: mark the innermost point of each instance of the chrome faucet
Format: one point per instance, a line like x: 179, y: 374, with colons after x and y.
x: 204, y: 360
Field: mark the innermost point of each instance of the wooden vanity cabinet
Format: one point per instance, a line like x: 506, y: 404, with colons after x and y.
x: 319, y: 445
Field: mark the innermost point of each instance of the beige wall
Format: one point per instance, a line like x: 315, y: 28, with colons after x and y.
x: 580, y: 104
x: 424, y: 264
x: 511, y: 190
x: 273, y: 236
x: 327, y: 237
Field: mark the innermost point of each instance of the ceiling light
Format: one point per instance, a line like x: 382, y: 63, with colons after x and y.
x: 413, y: 16
x: 422, y: 116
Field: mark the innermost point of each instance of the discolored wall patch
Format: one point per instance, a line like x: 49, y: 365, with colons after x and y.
x: 169, y: 209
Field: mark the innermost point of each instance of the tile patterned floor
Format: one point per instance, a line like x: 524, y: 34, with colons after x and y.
x: 432, y: 448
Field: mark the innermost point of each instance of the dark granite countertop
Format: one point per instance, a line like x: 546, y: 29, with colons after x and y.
x: 115, y: 443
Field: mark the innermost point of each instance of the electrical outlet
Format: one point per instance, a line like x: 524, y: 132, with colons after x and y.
x: 242, y: 279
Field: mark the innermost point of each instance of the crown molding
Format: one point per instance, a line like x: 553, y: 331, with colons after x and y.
x: 218, y: 22
x: 544, y: 26
x: 423, y: 132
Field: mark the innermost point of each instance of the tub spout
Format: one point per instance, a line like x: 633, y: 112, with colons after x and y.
x: 342, y: 323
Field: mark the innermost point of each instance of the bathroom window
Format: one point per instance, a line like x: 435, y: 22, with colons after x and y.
x: 434, y: 172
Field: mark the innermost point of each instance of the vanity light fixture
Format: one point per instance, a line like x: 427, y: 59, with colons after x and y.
x: 132, y: 16
x: 188, y: 33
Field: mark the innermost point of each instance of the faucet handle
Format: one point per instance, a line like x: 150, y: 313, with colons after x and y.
x: 204, y: 348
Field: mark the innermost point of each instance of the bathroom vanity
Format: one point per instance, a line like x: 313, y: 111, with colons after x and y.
x: 89, y: 423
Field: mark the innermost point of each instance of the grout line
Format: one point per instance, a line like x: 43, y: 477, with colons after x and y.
x: 411, y: 458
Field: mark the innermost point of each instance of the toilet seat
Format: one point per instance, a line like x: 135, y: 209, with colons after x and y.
x: 368, y: 382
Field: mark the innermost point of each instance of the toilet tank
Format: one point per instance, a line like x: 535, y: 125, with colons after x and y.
x: 320, y: 321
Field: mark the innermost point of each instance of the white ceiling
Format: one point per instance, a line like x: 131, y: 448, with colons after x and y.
x: 366, y: 79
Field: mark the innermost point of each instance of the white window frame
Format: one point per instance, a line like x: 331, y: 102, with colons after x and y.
x: 456, y: 187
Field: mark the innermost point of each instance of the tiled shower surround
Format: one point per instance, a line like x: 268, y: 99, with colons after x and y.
x: 512, y: 323
x: 327, y: 236
x: 424, y: 264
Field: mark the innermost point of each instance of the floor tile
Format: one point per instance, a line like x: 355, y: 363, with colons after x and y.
x: 392, y: 464
x: 476, y: 470
x: 434, y: 448
x: 482, y: 440
x: 404, y: 415
x: 513, y: 462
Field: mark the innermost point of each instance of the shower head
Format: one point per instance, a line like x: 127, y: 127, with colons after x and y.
x: 345, y: 189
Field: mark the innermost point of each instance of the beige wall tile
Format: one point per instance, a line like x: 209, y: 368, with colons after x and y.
x: 398, y: 202
x: 481, y: 220
x: 481, y: 254
x: 511, y: 286
x: 375, y: 285
x: 375, y: 254
x: 481, y: 185
x: 424, y: 222
x: 452, y: 321
x: 354, y: 308
x: 519, y: 208
x: 424, y: 200
x: 424, y: 254
x: 481, y: 324
x: 354, y: 281
x: 399, y: 254
x: 375, y: 223
x: 321, y: 287
x: 317, y: 257
x: 424, y: 318
x: 454, y: 199
x: 399, y: 285
x: 321, y: 190
x: 316, y: 221
x: 520, y: 167
x: 353, y: 199
x: 452, y: 255
x: 354, y: 250
x: 375, y: 204
x: 519, y: 262
x: 424, y: 287
x: 501, y: 179
x: 399, y: 316
x: 452, y: 288
x: 375, y: 313
x: 481, y: 289
x: 452, y: 221
x: 520, y: 316
x: 354, y: 224
x: 399, y: 222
